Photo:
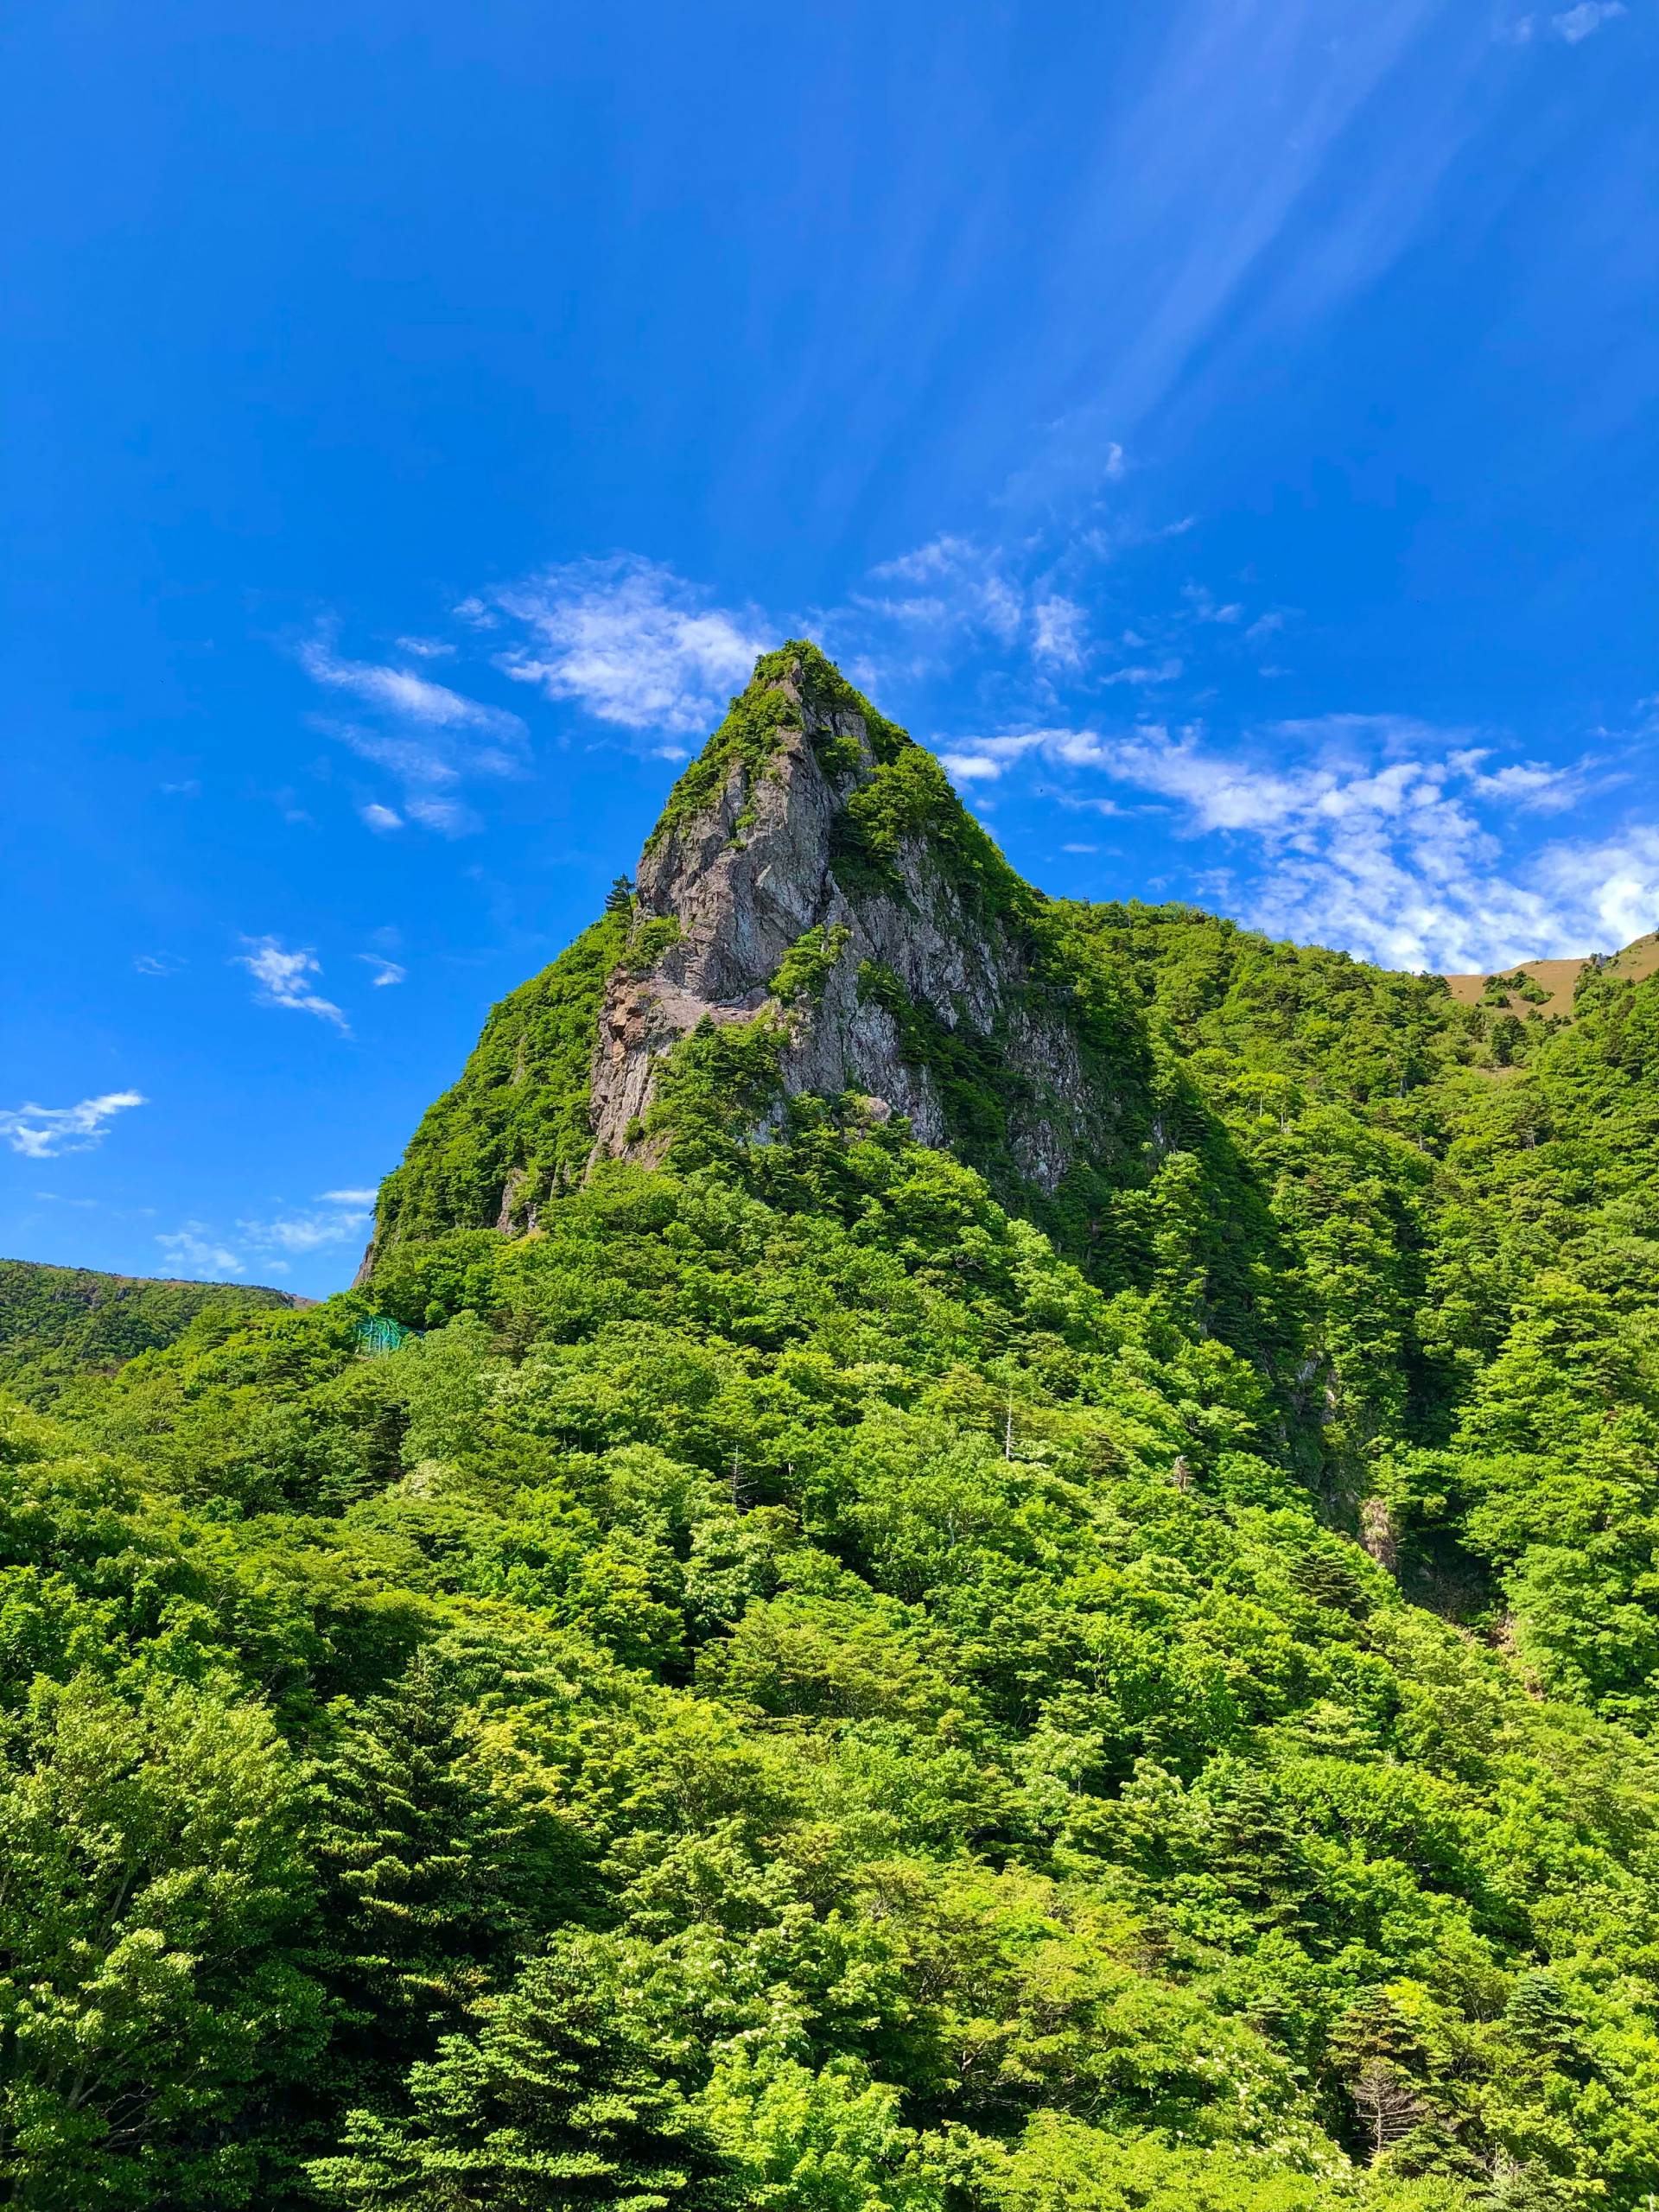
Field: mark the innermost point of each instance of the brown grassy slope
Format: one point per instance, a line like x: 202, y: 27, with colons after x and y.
x: 1559, y: 977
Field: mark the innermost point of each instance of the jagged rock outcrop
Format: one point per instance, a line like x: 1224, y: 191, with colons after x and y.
x: 813, y: 875
x: 770, y: 856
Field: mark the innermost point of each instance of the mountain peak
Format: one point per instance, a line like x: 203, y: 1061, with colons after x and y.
x: 816, y: 914
x: 822, y: 940
x: 816, y: 888
x: 797, y: 685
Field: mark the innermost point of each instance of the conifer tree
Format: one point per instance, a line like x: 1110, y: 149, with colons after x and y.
x: 563, y: 2098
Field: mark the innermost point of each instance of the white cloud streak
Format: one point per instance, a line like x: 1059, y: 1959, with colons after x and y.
x: 270, y: 1245
x: 1374, y: 832
x: 47, y: 1132
x: 284, y: 977
x: 429, y: 740
x: 967, y: 596
x: 1163, y: 672
x: 941, y: 557
x: 195, y: 1246
x: 1575, y: 24
x: 386, y: 972
x: 1025, y: 608
x: 1236, y: 129
x: 410, y: 698
x: 1059, y: 627
x: 631, y: 643
x: 310, y: 1231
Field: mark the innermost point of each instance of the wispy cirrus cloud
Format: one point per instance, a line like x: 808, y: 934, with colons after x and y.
x: 386, y: 972
x: 956, y: 598
x: 1059, y: 632
x: 47, y: 1132
x: 629, y: 642
x: 960, y: 588
x: 268, y: 1245
x: 410, y: 698
x: 1034, y: 615
x: 1075, y: 458
x: 1244, y: 130
x: 333, y: 1223
x: 429, y: 739
x: 941, y: 557
x: 1575, y: 24
x: 282, y: 975
x: 1207, y: 608
x: 1146, y: 671
x: 1380, y: 833
x: 193, y: 1246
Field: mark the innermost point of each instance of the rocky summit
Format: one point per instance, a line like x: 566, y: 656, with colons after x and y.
x: 817, y: 875
x: 817, y: 910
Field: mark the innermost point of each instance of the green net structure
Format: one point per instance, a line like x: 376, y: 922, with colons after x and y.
x: 380, y: 1333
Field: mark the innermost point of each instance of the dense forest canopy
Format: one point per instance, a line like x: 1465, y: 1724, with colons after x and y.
x: 823, y: 1678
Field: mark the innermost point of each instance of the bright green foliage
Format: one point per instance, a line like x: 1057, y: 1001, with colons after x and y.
x: 748, y: 739
x: 803, y: 1701
x: 648, y: 941
x: 520, y: 1108
x: 829, y: 2141
x: 805, y: 969
x: 563, y: 2098
x: 55, y: 1322
x: 155, y: 1878
x: 908, y: 801
x: 156, y: 1882
x: 1063, y: 2165
x: 819, y: 1680
x: 714, y: 1088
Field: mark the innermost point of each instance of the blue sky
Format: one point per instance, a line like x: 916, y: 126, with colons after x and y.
x: 1225, y: 431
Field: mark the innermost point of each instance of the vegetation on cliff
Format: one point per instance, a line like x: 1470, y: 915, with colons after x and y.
x: 519, y: 1110
x: 812, y: 1682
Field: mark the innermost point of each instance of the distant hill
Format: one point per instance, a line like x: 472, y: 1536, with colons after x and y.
x: 57, y: 1323
x: 1553, y: 982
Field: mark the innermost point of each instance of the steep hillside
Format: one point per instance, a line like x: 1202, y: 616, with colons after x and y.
x: 819, y: 927
x: 1107, y: 1661
x: 58, y: 1323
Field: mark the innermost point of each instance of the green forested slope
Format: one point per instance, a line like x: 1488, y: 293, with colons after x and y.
x: 796, y: 1686
x: 1469, y: 1227
x: 520, y: 1103
x: 56, y: 1323
x: 803, y: 1705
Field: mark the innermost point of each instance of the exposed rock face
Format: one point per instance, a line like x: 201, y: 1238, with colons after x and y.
x: 746, y: 877
x: 814, y: 874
